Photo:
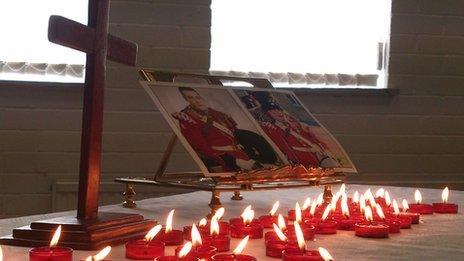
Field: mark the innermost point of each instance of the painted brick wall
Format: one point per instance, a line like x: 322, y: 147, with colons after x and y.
x: 416, y: 137
x: 40, y: 125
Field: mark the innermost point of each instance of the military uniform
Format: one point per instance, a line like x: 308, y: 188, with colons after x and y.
x: 212, y: 136
x: 295, y: 149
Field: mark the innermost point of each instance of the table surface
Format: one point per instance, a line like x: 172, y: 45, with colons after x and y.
x: 438, y: 237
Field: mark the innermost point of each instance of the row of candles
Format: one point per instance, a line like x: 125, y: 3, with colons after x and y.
x: 368, y: 215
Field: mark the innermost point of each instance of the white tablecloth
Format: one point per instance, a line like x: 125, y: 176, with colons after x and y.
x: 439, y: 237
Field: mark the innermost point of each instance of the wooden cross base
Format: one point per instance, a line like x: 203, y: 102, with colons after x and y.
x: 108, y: 229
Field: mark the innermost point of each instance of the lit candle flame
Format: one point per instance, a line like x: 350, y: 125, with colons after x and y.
x: 396, y: 209
x: 369, y: 196
x: 334, y: 201
x: 320, y: 199
x: 325, y: 254
x: 241, y: 245
x: 279, y: 233
x: 342, y: 188
x: 298, y: 217
x: 405, y: 205
x: 274, y: 208
x: 371, y: 200
x: 220, y: 213
x: 185, y: 249
x: 56, y: 237
x: 101, y: 255
x: 306, y: 203
x: 368, y: 193
x: 196, y: 237
x: 203, y: 222
x: 368, y: 214
x: 380, y: 193
x: 281, y: 222
x: 153, y: 232
x: 444, y: 195
x: 248, y: 215
x: 299, y: 237
x: 418, y: 196
x: 345, y: 208
x: 326, y: 212
x: 387, y: 198
x: 214, y: 227
x: 312, y: 210
x: 356, y: 197
x: 169, y: 221
x: 379, y: 211
x: 362, y: 203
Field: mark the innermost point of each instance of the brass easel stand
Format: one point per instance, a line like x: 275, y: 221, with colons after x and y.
x: 198, y: 181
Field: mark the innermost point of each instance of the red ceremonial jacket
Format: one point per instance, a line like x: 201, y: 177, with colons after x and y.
x: 211, y: 134
x: 296, y: 150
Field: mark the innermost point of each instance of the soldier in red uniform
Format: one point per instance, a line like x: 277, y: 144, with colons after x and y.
x: 211, y: 133
x: 293, y: 137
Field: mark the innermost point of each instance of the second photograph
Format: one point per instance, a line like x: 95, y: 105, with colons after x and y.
x: 294, y: 130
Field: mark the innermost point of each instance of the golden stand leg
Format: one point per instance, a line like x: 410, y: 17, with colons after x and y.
x: 237, y: 195
x: 327, y: 193
x: 215, y: 203
x: 129, y: 196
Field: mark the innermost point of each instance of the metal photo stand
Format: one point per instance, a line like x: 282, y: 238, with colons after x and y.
x: 247, y: 181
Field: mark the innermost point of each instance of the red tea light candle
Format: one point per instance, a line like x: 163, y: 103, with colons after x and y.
x: 100, y: 256
x: 169, y: 236
x: 292, y: 253
x: 305, y: 211
x: 182, y: 255
x: 415, y: 217
x: 282, y: 225
x: 223, y: 225
x: 370, y: 228
x: 203, y: 252
x: 308, y: 228
x: 202, y: 227
x: 445, y: 207
x: 146, y: 248
x: 275, y: 247
x: 347, y: 222
x: 236, y: 254
x: 393, y: 223
x: 405, y: 221
x: 380, y: 197
x: 419, y: 207
x: 248, y: 227
x: 239, y: 221
x: 267, y: 220
x: 327, y: 226
x: 51, y: 252
x: 217, y: 240
x: 354, y: 204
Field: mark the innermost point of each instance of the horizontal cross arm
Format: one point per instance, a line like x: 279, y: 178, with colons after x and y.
x: 72, y: 34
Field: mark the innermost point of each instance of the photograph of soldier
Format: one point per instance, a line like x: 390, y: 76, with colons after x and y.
x: 294, y: 130
x: 216, y: 129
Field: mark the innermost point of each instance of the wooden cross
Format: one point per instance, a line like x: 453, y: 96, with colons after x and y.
x: 90, y: 230
x: 99, y: 45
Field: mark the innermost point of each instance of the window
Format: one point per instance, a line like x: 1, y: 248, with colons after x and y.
x: 25, y: 52
x: 311, y: 43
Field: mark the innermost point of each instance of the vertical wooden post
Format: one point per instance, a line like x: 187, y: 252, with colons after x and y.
x: 92, y: 115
